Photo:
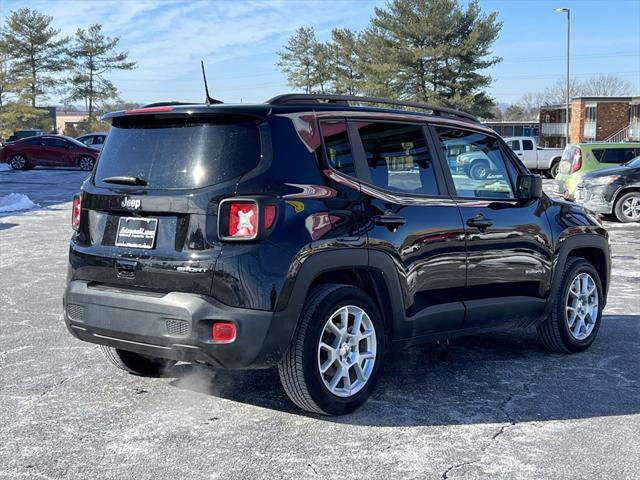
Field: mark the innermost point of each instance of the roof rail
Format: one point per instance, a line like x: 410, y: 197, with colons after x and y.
x: 347, y: 100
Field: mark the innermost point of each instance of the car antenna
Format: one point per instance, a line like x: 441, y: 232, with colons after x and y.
x: 208, y: 100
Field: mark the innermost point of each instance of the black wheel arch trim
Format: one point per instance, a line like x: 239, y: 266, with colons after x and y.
x: 577, y: 242
x: 310, y: 268
x: 623, y: 190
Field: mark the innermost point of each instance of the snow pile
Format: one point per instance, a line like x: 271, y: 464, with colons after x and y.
x: 4, y: 166
x: 14, y: 202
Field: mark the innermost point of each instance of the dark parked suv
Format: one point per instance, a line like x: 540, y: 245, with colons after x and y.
x: 316, y: 234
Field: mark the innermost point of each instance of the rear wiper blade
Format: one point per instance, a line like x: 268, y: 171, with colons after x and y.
x: 124, y: 180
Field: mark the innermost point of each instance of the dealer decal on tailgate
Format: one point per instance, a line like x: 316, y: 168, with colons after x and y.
x: 136, y: 232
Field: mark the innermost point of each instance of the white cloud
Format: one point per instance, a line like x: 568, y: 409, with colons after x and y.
x: 168, y: 38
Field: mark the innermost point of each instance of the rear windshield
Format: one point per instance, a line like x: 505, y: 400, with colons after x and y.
x: 170, y: 154
x: 569, y: 153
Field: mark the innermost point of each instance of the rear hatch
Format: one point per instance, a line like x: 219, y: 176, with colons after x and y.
x: 149, y: 211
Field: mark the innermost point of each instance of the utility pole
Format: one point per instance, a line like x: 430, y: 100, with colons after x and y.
x: 568, y: 96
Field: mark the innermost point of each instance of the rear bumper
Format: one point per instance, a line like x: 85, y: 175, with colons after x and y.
x: 174, y: 325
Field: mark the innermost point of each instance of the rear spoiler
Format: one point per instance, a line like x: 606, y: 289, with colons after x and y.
x: 190, y: 111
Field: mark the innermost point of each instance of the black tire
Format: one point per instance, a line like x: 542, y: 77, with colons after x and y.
x: 299, y: 370
x: 553, y: 171
x: 620, y: 210
x: 479, y: 170
x: 135, y: 363
x: 86, y: 163
x: 18, y: 162
x: 554, y: 332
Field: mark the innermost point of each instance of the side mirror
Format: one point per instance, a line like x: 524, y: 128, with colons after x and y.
x: 529, y: 186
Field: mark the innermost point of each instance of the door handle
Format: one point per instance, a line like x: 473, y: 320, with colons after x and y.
x: 519, y: 154
x: 389, y: 220
x: 480, y: 222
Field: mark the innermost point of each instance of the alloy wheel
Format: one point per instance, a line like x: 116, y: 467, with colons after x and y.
x: 18, y: 162
x: 631, y: 207
x: 86, y: 163
x: 347, y: 351
x: 582, y: 306
x: 479, y: 171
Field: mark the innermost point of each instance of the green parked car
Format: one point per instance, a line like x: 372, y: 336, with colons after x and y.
x: 580, y: 158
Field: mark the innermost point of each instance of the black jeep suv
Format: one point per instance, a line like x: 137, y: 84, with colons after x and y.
x: 315, y: 233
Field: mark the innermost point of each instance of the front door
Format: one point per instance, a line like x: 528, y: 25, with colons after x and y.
x: 55, y: 151
x: 509, y: 250
x: 414, y: 221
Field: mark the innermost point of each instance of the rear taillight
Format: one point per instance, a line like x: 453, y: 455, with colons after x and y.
x: 577, y: 161
x: 75, y: 212
x: 245, y: 219
x: 269, y: 216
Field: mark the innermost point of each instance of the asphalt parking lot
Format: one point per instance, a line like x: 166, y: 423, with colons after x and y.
x: 493, y: 406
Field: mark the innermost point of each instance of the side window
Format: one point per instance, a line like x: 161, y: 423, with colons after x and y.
x: 336, y: 141
x: 98, y: 140
x: 514, y: 145
x: 477, y: 166
x: 86, y: 140
x: 33, y: 141
x: 527, y: 145
x: 54, y: 142
x: 398, y: 157
x: 617, y: 155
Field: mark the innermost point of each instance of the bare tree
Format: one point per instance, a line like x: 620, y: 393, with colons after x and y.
x: 596, y: 86
x: 606, y: 86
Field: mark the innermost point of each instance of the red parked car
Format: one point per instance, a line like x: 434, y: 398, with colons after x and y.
x: 48, y: 150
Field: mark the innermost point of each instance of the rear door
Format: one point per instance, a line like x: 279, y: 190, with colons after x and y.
x: 412, y: 219
x: 159, y: 232
x: 508, y: 241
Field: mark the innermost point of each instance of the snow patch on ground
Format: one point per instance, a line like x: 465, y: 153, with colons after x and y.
x: 15, y: 202
x: 4, y: 167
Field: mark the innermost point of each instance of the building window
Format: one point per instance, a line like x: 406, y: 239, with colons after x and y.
x: 634, y: 122
x: 590, y: 114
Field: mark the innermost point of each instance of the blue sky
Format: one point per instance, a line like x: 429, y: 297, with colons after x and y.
x: 238, y: 41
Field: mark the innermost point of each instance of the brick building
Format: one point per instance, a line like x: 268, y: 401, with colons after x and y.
x: 514, y: 129
x: 602, y: 119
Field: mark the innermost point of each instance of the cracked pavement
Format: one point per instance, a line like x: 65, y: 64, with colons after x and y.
x: 492, y: 406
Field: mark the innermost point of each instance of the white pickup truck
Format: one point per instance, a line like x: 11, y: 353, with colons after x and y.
x: 545, y: 160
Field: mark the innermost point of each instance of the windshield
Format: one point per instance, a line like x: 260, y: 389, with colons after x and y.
x: 173, y: 154
x: 635, y: 163
x: 75, y: 142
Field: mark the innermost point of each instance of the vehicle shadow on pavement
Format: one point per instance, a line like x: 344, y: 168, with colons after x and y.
x: 498, y: 378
